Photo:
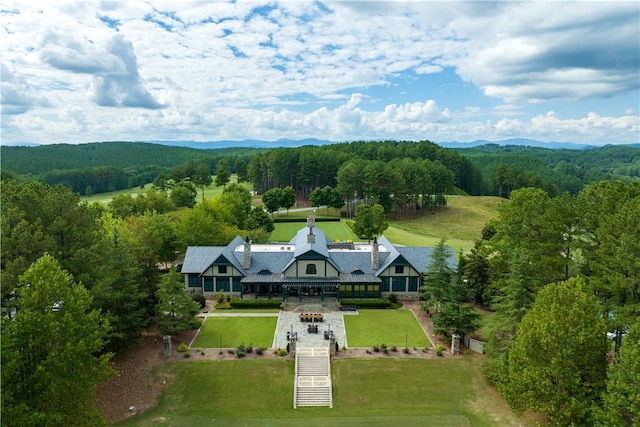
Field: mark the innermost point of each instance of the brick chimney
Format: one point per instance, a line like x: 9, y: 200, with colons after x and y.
x: 375, y: 255
x: 246, y: 262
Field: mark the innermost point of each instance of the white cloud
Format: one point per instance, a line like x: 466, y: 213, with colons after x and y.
x: 309, y: 69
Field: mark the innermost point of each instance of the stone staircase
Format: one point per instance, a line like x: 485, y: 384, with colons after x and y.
x: 313, y: 377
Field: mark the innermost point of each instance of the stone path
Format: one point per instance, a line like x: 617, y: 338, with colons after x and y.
x: 289, y: 321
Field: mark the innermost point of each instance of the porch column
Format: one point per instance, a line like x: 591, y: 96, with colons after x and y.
x: 322, y: 293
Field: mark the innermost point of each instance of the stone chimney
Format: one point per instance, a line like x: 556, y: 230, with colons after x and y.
x: 375, y: 255
x: 311, y: 221
x: 246, y: 262
x: 311, y: 238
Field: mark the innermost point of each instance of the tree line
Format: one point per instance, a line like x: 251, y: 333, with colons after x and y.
x: 558, y: 273
x: 80, y: 282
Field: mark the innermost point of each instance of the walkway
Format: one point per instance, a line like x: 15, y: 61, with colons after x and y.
x: 313, y: 377
x: 289, y: 321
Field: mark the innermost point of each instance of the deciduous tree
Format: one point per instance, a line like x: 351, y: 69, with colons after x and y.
x: 557, y: 364
x: 369, y: 221
x: 50, y: 352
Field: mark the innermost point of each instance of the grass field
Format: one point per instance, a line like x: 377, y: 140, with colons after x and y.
x: 285, y: 231
x: 367, y: 392
x: 391, y: 327
x: 229, y: 332
x: 209, y: 192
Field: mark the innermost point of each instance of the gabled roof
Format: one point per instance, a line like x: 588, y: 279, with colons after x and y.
x: 319, y: 245
x: 198, y: 258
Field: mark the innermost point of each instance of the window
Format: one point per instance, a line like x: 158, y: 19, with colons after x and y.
x: 399, y: 269
x: 222, y: 269
x: 398, y: 284
x: 222, y: 283
x: 311, y: 269
x: 194, y: 281
x: 413, y: 284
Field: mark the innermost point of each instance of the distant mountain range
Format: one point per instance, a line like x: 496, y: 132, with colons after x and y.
x: 255, y: 143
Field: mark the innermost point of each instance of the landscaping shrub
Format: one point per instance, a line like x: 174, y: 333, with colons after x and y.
x: 368, y: 303
x: 220, y: 297
x: 281, y: 352
x: 393, y: 298
x: 241, y: 351
x: 255, y: 303
x: 182, y: 347
x: 187, y: 355
x: 439, y: 349
x: 260, y: 351
x: 200, y: 299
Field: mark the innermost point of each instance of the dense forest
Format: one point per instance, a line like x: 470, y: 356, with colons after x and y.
x: 487, y: 170
x: 557, y: 271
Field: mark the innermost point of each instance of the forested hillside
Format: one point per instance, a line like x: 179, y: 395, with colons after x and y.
x: 488, y: 170
x: 506, y: 168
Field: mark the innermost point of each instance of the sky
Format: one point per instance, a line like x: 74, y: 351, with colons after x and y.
x: 87, y: 71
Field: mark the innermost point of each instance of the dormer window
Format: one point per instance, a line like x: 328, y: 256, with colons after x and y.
x: 399, y: 269
x: 222, y: 269
x: 311, y: 269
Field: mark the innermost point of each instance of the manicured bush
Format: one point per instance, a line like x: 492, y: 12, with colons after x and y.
x: 200, y: 299
x: 187, y: 355
x: 255, y: 303
x: 182, y: 347
x: 220, y: 297
x: 368, y: 303
x: 393, y: 298
x: 439, y: 349
x: 260, y: 351
x: 281, y: 352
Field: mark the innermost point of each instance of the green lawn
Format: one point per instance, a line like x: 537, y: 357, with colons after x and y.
x: 367, y: 392
x: 233, y: 331
x: 391, y: 327
x: 209, y: 192
x: 285, y: 231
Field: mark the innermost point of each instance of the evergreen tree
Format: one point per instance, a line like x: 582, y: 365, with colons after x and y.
x: 50, y: 361
x: 176, y: 310
x: 437, y: 279
x: 621, y: 400
x: 223, y: 175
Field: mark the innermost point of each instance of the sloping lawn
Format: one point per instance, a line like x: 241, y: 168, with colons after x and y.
x: 367, y: 392
x: 371, y: 392
x: 391, y: 327
x: 233, y: 331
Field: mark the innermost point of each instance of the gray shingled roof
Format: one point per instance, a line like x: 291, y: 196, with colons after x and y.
x: 198, y: 258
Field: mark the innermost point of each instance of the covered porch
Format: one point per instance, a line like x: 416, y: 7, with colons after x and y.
x: 314, y: 287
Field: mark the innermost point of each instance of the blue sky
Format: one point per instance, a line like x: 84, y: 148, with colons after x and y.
x: 84, y: 71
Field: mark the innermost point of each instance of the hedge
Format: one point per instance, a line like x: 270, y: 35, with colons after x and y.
x: 255, y: 303
x: 285, y: 220
x: 368, y: 303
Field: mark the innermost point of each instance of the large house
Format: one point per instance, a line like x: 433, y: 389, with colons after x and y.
x: 308, y: 265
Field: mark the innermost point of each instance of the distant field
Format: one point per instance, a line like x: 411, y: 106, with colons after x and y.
x: 461, y: 224
x: 209, y: 192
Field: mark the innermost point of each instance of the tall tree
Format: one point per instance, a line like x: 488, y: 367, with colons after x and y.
x: 176, y: 310
x: 183, y: 194
x: 242, y: 170
x: 223, y: 175
x: 50, y: 361
x: 369, y: 221
x: 287, y: 198
x: 259, y: 219
x: 202, y: 177
x: 437, y: 278
x: 621, y: 400
x: 557, y: 364
x: 271, y: 199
